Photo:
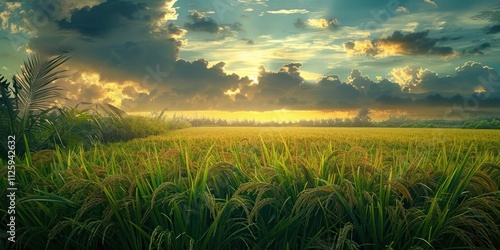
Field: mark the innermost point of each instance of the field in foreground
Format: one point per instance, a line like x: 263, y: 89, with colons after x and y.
x: 266, y: 188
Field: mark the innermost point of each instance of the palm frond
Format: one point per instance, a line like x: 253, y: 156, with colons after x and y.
x: 36, y: 91
x: 28, y: 97
x: 8, y: 104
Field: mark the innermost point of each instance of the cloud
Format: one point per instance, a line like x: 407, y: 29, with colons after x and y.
x: 121, y: 40
x: 358, y: 80
x: 175, y: 30
x: 193, y: 85
x: 331, y: 91
x: 432, y: 3
x: 360, y: 47
x: 9, y: 16
x: 196, y: 85
x: 411, y: 26
x: 369, y: 88
x: 196, y: 78
x: 248, y: 41
x: 274, y: 90
x: 478, y: 50
x: 4, y: 17
x: 321, y: 23
x: 467, y: 80
x: 492, y: 16
x: 200, y: 22
x: 412, y: 43
x: 492, y: 29
x: 81, y: 86
x: 101, y: 19
x: 402, y: 9
x: 288, y: 11
x: 284, y: 81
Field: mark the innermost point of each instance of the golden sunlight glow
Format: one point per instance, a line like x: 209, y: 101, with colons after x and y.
x: 109, y: 92
x: 246, y: 56
x: 261, y: 116
x: 361, y: 47
x: 322, y: 23
x: 480, y: 90
x: 232, y: 94
x: 402, y: 76
x: 281, y: 115
x: 255, y: 80
x: 388, y: 49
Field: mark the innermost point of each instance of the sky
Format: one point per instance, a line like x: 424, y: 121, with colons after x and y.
x: 314, y: 58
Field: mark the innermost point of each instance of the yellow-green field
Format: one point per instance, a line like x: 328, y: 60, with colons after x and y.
x: 266, y: 188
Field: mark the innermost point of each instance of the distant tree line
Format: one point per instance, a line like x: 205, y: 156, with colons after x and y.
x: 362, y: 119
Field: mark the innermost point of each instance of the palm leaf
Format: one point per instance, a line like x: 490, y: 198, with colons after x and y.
x: 36, y: 90
x: 8, y: 104
x: 28, y: 98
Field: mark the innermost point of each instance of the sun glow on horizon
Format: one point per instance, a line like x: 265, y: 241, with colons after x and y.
x: 281, y: 115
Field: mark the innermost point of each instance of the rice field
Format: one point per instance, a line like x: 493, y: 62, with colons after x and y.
x: 266, y: 188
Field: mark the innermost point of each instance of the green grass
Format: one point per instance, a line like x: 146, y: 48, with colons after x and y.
x: 266, y: 188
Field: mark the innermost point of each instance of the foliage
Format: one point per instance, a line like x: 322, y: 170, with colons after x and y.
x: 483, y: 123
x: 232, y: 188
x: 26, y: 100
x: 28, y: 112
x: 130, y: 127
x: 362, y: 119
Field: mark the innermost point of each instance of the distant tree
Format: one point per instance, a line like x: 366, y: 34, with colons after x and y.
x: 363, y: 117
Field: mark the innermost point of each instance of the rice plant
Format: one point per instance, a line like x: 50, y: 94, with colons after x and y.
x: 242, y: 188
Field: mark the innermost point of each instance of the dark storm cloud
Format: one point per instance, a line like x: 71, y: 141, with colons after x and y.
x: 197, y: 85
x: 285, y: 81
x: 467, y: 79
x: 492, y: 29
x: 331, y: 90
x: 176, y: 30
x: 478, y: 50
x: 288, y: 89
x: 275, y: 90
x: 413, y: 43
x: 492, y: 16
x: 202, y: 23
x: 368, y: 87
x: 289, y: 102
x: 472, y: 72
x: 384, y: 87
x: 197, y: 78
x: 471, y: 80
x: 121, y: 40
x: 134, y: 59
x: 439, y: 100
x: 393, y: 101
x: 418, y: 101
x: 103, y: 18
x: 358, y: 80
